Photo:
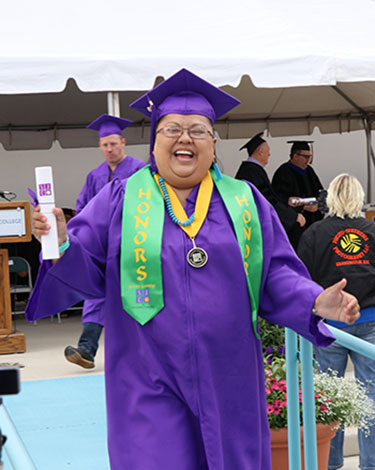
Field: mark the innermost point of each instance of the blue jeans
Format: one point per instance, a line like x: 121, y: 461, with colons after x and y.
x: 335, y: 357
x: 89, y: 339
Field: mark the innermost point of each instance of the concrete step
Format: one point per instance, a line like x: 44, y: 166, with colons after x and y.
x: 351, y: 463
x: 351, y: 442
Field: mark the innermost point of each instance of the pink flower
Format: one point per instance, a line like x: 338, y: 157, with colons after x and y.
x: 276, y: 407
x: 268, y: 391
x: 282, y: 384
x: 323, y: 408
x: 269, y: 409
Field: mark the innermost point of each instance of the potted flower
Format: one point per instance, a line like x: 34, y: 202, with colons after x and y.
x: 339, y: 401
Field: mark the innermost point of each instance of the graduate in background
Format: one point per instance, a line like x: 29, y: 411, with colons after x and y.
x: 253, y: 170
x: 297, y: 179
x: 186, y: 259
x: 116, y: 165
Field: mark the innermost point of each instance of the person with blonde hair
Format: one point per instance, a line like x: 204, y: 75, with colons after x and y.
x: 345, y: 197
x: 343, y: 245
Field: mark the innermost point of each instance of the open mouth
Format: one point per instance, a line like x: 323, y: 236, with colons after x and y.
x: 183, y: 154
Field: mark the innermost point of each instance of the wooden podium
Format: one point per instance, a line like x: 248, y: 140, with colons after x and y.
x: 370, y: 214
x: 11, y: 341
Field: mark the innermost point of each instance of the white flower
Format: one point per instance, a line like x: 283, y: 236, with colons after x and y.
x: 343, y: 400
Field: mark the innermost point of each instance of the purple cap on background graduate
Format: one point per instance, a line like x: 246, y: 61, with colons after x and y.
x: 109, y: 125
x: 183, y: 93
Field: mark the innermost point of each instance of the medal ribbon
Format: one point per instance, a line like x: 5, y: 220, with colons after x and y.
x: 142, y: 231
x: 201, y: 206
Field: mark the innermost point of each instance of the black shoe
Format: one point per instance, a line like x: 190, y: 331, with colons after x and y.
x: 79, y: 356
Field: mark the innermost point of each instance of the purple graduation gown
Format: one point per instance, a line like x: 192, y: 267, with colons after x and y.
x: 96, y: 179
x: 185, y: 391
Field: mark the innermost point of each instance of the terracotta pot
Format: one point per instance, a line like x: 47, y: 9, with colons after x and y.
x: 279, y: 447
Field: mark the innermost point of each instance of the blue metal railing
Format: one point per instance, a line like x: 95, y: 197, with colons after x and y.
x: 14, y: 447
x: 20, y: 458
x: 308, y: 400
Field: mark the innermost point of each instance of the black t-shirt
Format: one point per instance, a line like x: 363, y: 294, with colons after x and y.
x: 334, y: 248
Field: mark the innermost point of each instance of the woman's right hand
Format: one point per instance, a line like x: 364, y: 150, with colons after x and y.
x: 41, y: 227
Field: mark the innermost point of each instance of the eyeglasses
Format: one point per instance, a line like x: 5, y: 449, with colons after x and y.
x: 303, y: 155
x: 196, y: 131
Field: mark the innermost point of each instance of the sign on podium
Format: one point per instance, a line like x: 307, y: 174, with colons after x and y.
x: 15, y: 227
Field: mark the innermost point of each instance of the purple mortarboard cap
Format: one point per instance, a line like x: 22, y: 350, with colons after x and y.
x: 183, y: 93
x: 109, y: 125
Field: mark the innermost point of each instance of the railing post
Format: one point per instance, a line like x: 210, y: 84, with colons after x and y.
x: 294, y: 438
x: 308, y: 405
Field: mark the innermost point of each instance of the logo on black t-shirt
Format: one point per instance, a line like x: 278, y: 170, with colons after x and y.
x: 351, y: 245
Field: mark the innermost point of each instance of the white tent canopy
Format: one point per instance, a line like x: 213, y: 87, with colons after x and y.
x: 294, y: 65
x: 123, y: 45
x: 294, y: 53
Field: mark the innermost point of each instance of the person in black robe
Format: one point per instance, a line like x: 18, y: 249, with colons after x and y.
x: 253, y: 170
x: 297, y: 179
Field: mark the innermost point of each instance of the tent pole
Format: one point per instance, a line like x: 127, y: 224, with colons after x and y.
x: 370, y: 157
x: 367, y: 126
x: 113, y: 103
x: 368, y: 129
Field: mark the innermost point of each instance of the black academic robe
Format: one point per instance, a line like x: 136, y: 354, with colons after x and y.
x: 256, y: 174
x: 288, y: 181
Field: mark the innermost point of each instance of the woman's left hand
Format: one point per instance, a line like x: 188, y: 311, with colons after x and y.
x: 336, y: 304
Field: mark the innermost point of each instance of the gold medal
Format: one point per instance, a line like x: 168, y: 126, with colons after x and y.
x: 197, y: 257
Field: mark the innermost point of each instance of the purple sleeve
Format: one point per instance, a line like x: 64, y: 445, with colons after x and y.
x: 287, y: 293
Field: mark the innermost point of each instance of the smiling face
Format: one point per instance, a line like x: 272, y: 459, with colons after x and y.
x: 182, y: 161
x: 301, y: 158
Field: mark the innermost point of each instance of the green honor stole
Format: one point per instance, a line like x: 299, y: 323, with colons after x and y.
x: 142, y: 231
